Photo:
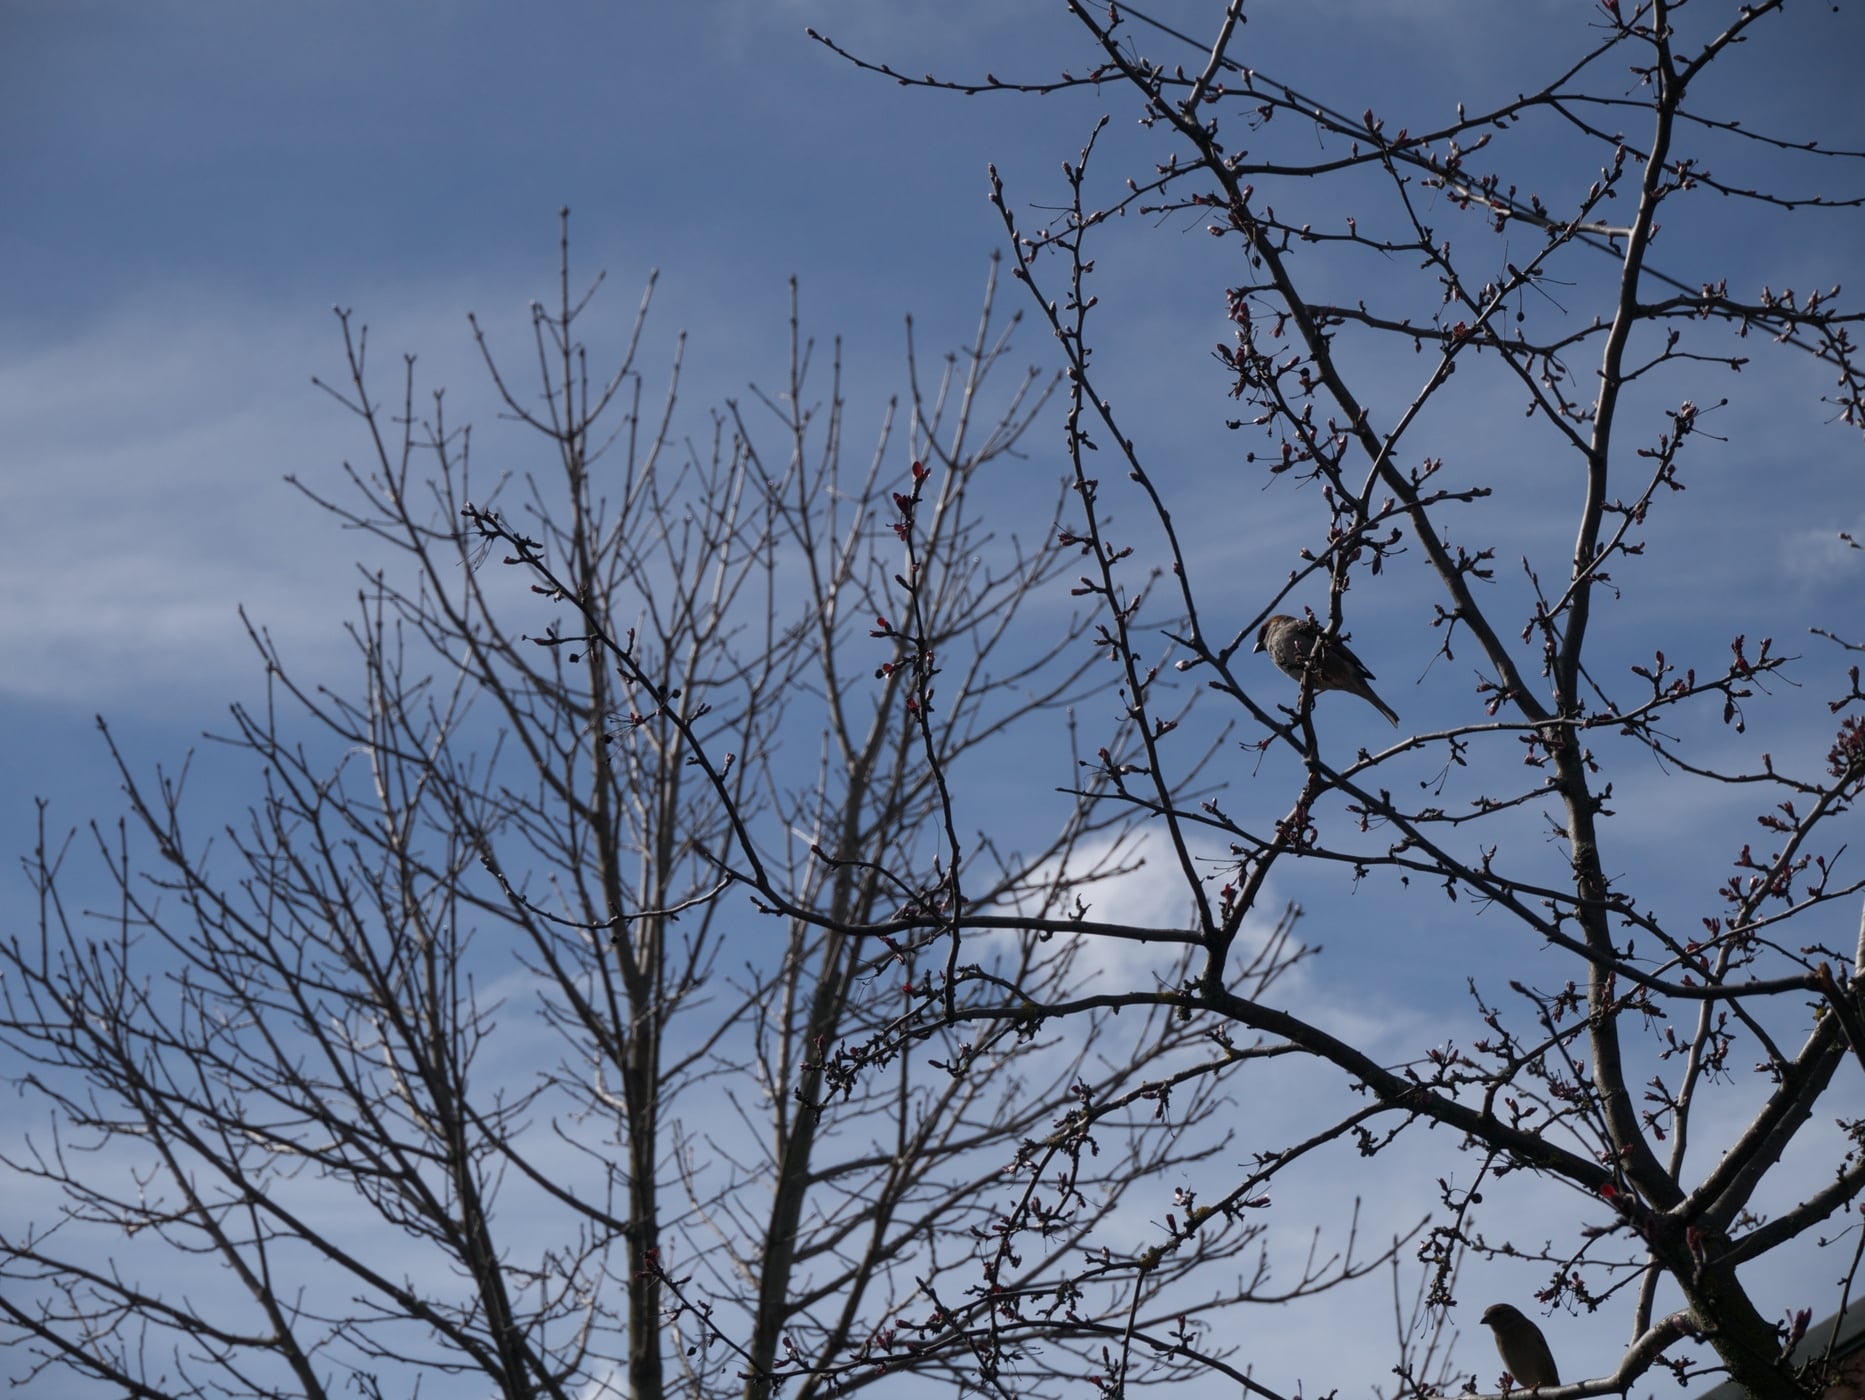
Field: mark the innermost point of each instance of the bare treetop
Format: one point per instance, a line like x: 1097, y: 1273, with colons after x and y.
x: 765, y: 919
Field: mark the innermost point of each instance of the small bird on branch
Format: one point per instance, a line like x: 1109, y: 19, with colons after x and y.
x: 1524, y: 1350
x: 1298, y: 645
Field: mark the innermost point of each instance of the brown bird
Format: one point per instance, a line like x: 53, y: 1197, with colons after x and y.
x: 1292, y: 641
x: 1524, y: 1350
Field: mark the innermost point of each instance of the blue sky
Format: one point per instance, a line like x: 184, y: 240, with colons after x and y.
x: 189, y: 189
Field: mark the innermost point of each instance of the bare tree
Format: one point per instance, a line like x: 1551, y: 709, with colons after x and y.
x: 857, y: 1077
x: 536, y: 1025
x: 1438, y: 242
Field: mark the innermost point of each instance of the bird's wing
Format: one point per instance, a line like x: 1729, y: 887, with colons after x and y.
x: 1345, y: 653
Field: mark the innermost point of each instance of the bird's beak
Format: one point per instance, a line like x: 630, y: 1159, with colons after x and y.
x: 1259, y: 642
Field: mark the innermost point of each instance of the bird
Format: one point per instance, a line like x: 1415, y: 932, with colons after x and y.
x: 1524, y: 1350
x: 1292, y: 641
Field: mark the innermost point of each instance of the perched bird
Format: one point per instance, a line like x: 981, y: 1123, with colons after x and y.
x: 1291, y: 641
x: 1524, y: 1350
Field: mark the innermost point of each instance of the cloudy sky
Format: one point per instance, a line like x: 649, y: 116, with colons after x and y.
x: 189, y: 189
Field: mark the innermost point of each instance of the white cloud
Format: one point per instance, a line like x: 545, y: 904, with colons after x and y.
x: 1818, y: 555
x: 149, y: 503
